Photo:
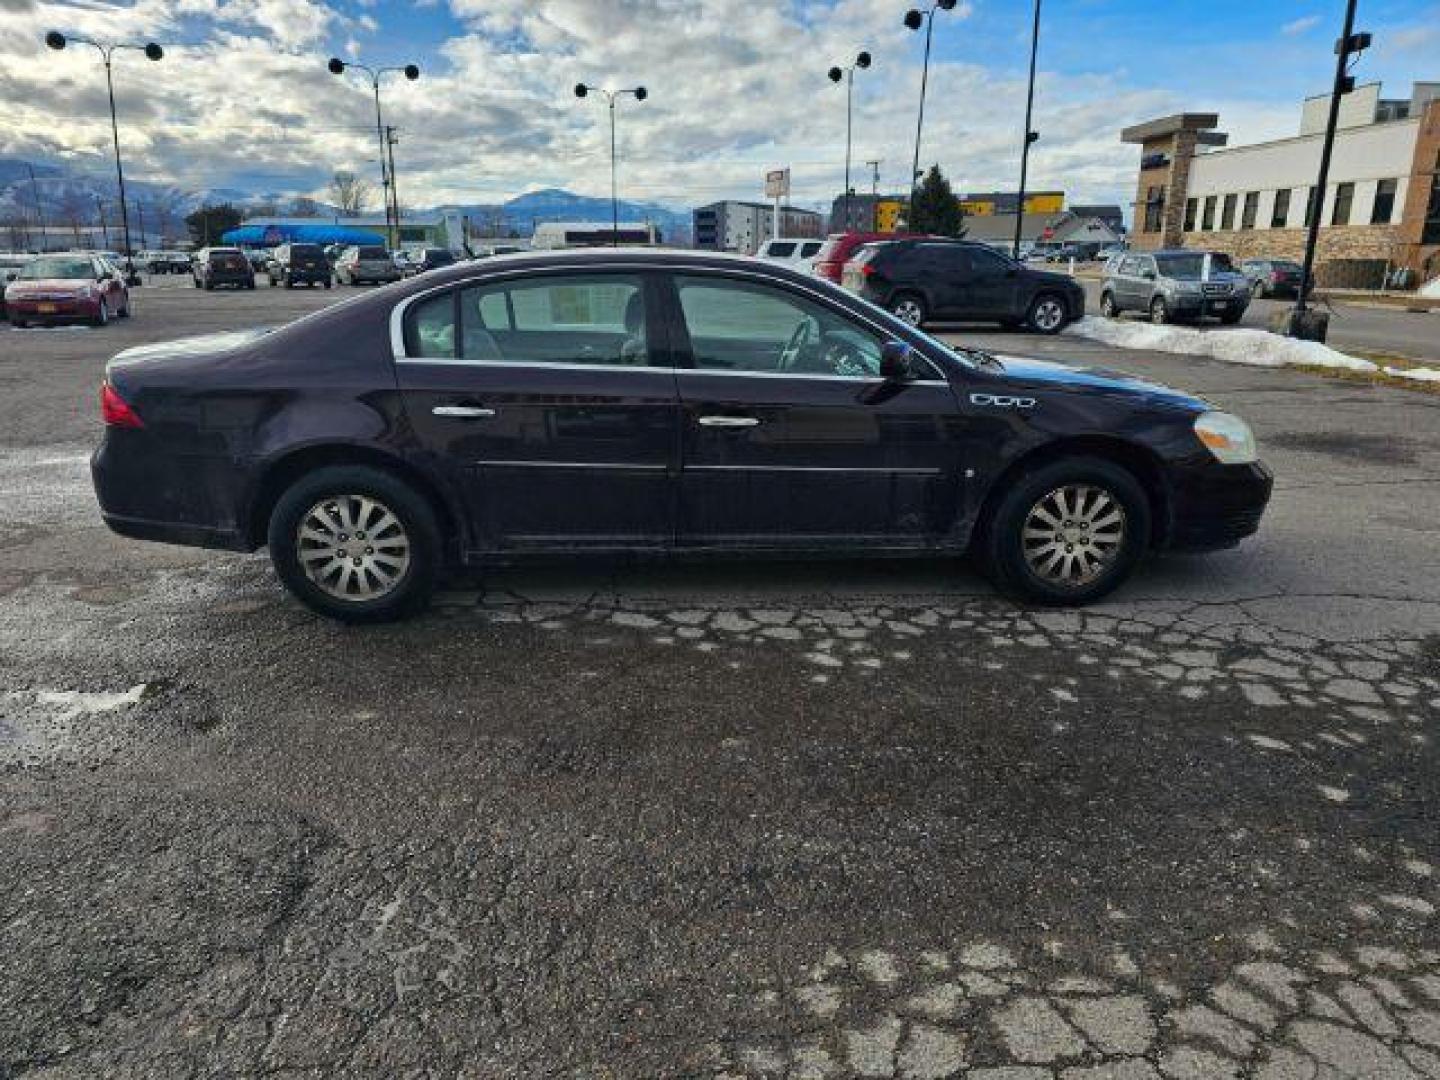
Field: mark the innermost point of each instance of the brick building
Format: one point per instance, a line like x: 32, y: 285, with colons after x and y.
x: 1381, y: 206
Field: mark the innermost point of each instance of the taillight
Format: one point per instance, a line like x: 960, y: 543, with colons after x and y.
x: 1277, y: 276
x: 116, y: 411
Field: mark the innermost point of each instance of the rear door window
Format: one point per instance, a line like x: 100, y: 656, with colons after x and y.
x: 782, y: 250
x: 810, y: 250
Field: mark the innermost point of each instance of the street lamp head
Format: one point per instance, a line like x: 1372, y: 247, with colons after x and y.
x: 336, y: 66
x: 641, y: 93
x: 581, y: 90
x: 863, y: 60
x: 55, y: 40
x: 945, y: 5
x: 412, y: 72
x: 914, y: 20
x: 836, y: 74
x: 154, y: 52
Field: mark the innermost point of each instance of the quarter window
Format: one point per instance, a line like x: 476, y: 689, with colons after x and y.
x: 742, y: 327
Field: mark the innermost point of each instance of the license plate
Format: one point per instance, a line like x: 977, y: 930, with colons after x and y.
x: 47, y: 309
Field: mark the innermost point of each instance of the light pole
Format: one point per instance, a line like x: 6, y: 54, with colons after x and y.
x: 913, y: 20
x: 1030, y: 136
x: 387, y: 176
x: 1302, y: 323
x: 58, y: 41
x: 862, y: 61
x: 640, y: 94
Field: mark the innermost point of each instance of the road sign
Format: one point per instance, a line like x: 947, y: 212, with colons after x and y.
x: 777, y: 184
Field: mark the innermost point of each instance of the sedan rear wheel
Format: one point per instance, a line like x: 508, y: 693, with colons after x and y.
x: 356, y: 543
x: 1107, y: 306
x: 1069, y: 532
x: 102, y: 314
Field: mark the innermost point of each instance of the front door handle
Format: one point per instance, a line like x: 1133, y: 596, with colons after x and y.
x: 463, y: 412
x: 729, y: 421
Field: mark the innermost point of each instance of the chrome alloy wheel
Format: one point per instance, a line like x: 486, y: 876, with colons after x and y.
x: 1048, y: 315
x: 908, y: 311
x: 353, y: 547
x: 1073, y: 534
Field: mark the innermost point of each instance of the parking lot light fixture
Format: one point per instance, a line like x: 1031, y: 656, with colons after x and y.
x: 639, y: 93
x: 847, y: 74
x: 387, y: 178
x: 914, y: 19
x: 58, y: 41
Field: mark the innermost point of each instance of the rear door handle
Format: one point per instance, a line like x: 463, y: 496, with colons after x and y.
x: 729, y: 421
x: 463, y: 412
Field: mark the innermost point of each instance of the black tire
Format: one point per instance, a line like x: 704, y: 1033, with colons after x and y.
x: 327, y: 283
x: 1108, y: 307
x: 414, y: 513
x: 1047, y: 314
x: 196, y: 280
x: 19, y: 324
x: 1230, y: 318
x: 909, y: 308
x: 209, y: 286
x: 102, y: 314
x: 1160, y: 311
x: 274, y: 281
x: 1003, y: 545
x: 250, y: 284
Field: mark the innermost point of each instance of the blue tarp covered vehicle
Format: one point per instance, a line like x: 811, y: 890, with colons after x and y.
x: 311, y: 232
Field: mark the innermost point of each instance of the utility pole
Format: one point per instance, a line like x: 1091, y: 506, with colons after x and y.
x: 1030, y: 135
x: 1301, y: 322
x: 390, y: 141
x: 39, y: 210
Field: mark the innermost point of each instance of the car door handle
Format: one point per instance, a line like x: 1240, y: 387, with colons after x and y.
x: 729, y: 421
x: 463, y: 412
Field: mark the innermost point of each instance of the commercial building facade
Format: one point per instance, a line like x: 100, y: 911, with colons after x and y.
x: 1380, y: 209
x: 743, y: 226
x: 989, y: 203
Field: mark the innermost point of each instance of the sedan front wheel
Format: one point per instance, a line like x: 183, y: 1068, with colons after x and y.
x: 356, y: 543
x: 1068, y: 532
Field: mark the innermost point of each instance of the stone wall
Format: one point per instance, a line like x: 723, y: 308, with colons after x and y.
x: 1336, y: 242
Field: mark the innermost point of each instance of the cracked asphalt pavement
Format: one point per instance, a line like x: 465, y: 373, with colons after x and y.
x: 733, y: 820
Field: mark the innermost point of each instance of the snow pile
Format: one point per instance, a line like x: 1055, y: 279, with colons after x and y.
x: 1419, y: 374
x: 1430, y: 289
x: 1259, y: 348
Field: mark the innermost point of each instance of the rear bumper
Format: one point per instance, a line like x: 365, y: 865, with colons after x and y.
x: 58, y: 309
x: 230, y: 277
x: 171, y: 532
x: 1217, y: 506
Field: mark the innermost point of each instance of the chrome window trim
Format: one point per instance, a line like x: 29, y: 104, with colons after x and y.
x: 397, y: 315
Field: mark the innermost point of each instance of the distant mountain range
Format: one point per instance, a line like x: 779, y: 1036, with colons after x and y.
x: 69, y: 198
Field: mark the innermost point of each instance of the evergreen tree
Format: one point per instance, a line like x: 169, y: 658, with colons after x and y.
x: 935, y: 209
x: 206, y: 224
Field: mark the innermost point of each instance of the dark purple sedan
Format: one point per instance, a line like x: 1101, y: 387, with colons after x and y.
x: 608, y: 401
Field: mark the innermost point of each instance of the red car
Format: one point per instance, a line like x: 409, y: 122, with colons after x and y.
x: 830, y: 263
x: 65, y: 288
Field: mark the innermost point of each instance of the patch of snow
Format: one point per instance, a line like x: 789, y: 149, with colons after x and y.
x: 1431, y: 288
x: 1420, y: 374
x: 79, y: 702
x: 1259, y: 348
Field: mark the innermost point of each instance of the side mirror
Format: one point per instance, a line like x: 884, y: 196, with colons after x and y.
x: 897, y: 364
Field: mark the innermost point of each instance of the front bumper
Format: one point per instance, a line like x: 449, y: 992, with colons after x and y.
x: 1199, y: 306
x: 1217, y: 506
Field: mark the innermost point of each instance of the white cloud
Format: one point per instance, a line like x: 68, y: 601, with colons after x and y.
x: 1300, y: 25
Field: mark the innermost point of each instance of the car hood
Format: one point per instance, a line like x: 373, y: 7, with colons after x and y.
x: 1047, y: 374
x: 200, y: 345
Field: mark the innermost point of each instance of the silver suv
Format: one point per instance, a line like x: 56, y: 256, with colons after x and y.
x: 358, y: 265
x: 1172, y: 286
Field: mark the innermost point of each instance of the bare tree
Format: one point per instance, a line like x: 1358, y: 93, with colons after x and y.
x: 304, y: 206
x: 75, y: 206
x: 350, y: 192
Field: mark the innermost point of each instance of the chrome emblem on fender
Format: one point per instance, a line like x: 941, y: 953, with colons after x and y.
x: 1003, y: 401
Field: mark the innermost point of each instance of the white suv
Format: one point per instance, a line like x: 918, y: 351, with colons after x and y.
x: 797, y: 253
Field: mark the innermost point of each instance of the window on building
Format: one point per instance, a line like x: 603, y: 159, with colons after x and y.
x: 1312, y: 204
x: 1154, y: 208
x: 1384, y: 207
x: 1207, y: 219
x: 1280, y: 215
x: 1252, y: 209
x: 1344, y: 199
x: 1190, y: 207
x: 1430, y: 231
x: 1227, y: 212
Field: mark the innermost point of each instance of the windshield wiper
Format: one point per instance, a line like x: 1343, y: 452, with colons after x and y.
x: 980, y: 356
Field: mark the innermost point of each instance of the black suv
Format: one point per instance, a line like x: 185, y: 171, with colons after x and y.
x: 296, y: 264
x: 923, y: 280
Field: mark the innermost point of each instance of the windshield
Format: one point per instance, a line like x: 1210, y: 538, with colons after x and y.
x: 304, y: 251
x: 41, y: 269
x: 1192, y: 267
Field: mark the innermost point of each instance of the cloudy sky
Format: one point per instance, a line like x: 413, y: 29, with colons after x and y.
x: 243, y: 97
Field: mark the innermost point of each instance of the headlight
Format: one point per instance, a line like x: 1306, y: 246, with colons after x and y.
x: 1227, y: 437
